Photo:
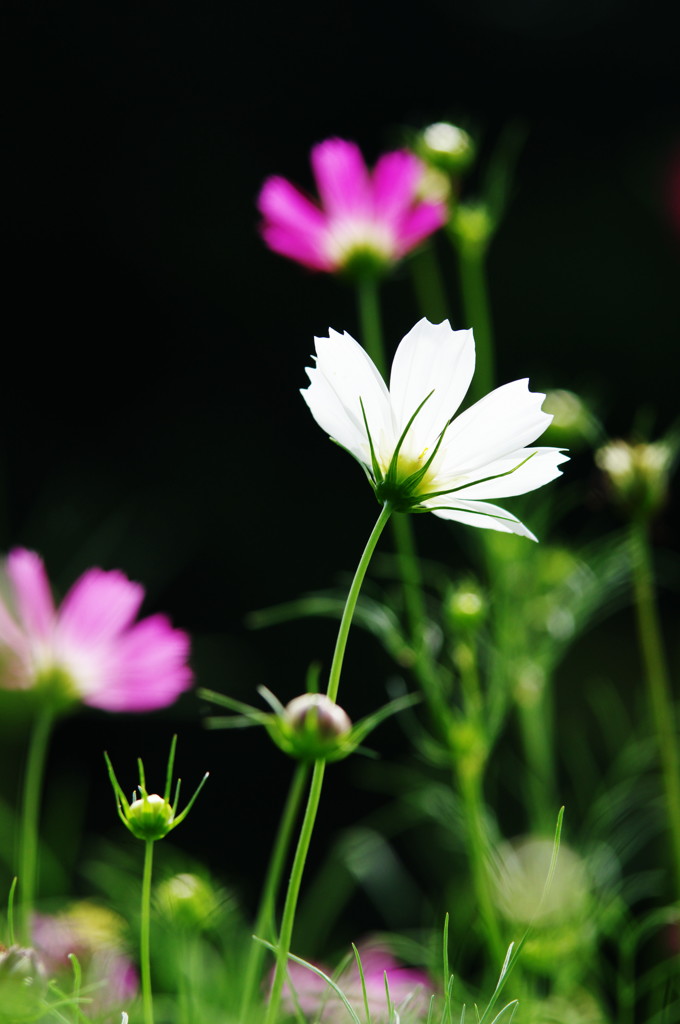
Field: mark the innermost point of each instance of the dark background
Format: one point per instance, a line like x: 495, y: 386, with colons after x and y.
x: 154, y: 348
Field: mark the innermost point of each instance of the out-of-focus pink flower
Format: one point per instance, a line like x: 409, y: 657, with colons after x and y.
x: 90, y: 648
x: 94, y: 935
x: 410, y: 990
x: 365, y: 221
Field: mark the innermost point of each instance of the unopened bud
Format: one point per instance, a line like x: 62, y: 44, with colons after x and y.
x: 446, y: 147
x: 466, y: 607
x: 150, y: 817
x: 637, y: 473
x: 187, y: 901
x: 312, y: 727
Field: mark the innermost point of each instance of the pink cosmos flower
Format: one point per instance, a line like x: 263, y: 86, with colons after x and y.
x: 94, y: 935
x: 410, y: 990
x: 90, y: 648
x: 364, y: 219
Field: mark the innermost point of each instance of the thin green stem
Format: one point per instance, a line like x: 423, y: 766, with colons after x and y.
x: 658, y: 683
x: 535, y: 720
x: 350, y: 604
x: 290, y: 907
x: 428, y: 285
x: 470, y: 786
x: 477, y: 313
x: 369, y: 320
x: 145, y: 934
x: 30, y: 814
x: 265, y: 924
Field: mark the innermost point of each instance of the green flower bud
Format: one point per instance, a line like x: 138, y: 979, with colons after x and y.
x: 473, y: 226
x: 446, y: 147
x: 312, y: 727
x: 471, y: 747
x: 573, y: 424
x: 637, y: 473
x: 188, y: 901
x: 22, y: 984
x: 150, y: 817
x: 465, y: 607
x: 561, y: 919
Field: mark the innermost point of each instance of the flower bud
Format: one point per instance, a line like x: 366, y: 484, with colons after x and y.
x: 473, y: 227
x: 561, y: 918
x: 22, y: 984
x: 312, y: 727
x: 150, y: 817
x: 465, y: 607
x: 573, y: 424
x: 638, y: 473
x: 187, y: 901
x: 446, y: 147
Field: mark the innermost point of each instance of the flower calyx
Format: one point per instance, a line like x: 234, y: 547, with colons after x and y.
x: 149, y: 816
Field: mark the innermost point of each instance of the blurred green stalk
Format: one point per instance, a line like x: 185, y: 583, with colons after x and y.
x: 30, y: 814
x: 658, y: 681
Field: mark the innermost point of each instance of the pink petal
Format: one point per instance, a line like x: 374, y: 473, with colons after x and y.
x: 296, y: 246
x: 293, y: 226
x: 32, y: 592
x: 395, y: 180
x: 420, y: 222
x: 150, y: 668
x: 342, y: 178
x: 284, y: 205
x: 98, y: 607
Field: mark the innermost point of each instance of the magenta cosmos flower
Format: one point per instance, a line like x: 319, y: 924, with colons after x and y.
x: 365, y: 221
x: 90, y: 648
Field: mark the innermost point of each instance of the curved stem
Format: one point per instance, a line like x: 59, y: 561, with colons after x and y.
x: 477, y: 313
x: 265, y: 920
x: 658, y: 683
x: 350, y: 604
x: 145, y: 934
x: 290, y: 907
x: 30, y: 814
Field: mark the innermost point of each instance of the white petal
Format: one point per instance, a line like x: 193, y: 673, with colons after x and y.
x: 343, y: 378
x: 524, y: 470
x: 431, y: 358
x: 483, y: 514
x: 504, y: 421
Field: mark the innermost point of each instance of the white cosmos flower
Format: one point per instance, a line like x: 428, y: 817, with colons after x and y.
x: 416, y: 456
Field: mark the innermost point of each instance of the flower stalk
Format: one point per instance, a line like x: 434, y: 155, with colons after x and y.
x: 658, y: 681
x: 30, y: 816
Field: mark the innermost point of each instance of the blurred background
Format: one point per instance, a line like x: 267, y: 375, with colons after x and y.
x: 154, y: 348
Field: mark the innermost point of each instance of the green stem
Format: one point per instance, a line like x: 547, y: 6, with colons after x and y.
x: 369, y: 320
x: 658, y: 683
x: 427, y: 282
x: 477, y: 314
x: 30, y: 814
x: 470, y: 785
x: 145, y: 934
x: 350, y: 604
x: 288, y: 918
x: 536, y: 725
x: 265, y: 920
